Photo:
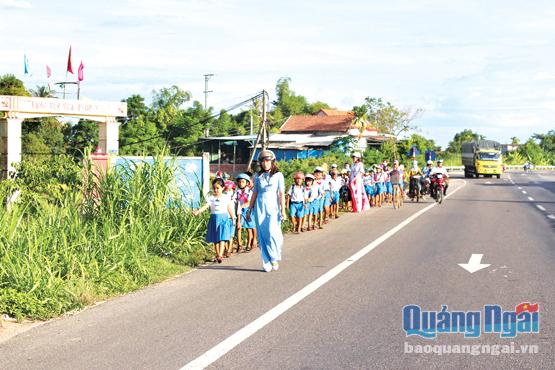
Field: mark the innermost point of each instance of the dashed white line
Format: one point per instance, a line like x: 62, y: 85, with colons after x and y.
x: 541, y: 208
x: 551, y: 217
x: 524, y: 192
x: 520, y: 188
x: 530, y: 199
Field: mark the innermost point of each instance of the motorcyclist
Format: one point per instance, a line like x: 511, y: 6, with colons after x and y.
x: 440, y: 169
x: 426, y: 172
x: 414, y: 171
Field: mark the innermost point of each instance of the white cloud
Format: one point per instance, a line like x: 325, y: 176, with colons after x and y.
x: 541, y: 76
x: 16, y: 4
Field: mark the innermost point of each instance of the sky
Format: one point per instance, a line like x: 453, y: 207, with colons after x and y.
x: 483, y: 65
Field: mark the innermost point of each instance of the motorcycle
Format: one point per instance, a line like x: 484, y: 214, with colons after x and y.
x: 414, y: 188
x: 436, y: 187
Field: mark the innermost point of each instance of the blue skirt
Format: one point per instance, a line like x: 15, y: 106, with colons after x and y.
x: 220, y: 228
x: 380, y: 188
x: 244, y: 223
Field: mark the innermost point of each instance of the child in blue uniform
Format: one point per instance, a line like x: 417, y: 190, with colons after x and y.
x: 296, y: 202
x: 222, y: 218
x: 313, y: 201
x: 242, y: 198
x: 335, y: 185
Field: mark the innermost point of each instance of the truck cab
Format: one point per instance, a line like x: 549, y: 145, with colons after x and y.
x: 482, y: 157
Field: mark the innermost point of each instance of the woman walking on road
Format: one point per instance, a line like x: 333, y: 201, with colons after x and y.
x: 268, y: 203
x: 358, y: 195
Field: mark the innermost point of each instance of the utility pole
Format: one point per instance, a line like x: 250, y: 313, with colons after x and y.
x: 262, y: 132
x: 265, y: 134
x: 206, y: 92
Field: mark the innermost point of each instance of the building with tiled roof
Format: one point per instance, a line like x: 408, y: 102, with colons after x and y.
x: 325, y: 122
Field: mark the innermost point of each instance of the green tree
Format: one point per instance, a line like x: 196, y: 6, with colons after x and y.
x: 546, y: 141
x: 11, y: 85
x: 42, y: 136
x: 42, y: 92
x: 81, y: 136
x: 139, y: 134
x: 515, y: 140
x: 390, y: 120
x: 288, y: 103
x: 454, y: 145
x: 316, y: 106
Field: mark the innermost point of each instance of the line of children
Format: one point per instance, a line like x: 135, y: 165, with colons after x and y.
x: 312, y: 200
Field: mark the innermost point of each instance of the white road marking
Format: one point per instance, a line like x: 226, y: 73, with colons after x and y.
x: 219, y: 350
x: 519, y: 188
x: 551, y: 217
x: 530, y: 199
x: 541, y: 208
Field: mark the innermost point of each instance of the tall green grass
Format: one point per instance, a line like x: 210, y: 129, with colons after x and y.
x: 123, y: 231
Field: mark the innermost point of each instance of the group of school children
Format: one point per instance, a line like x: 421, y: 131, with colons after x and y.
x: 312, y: 200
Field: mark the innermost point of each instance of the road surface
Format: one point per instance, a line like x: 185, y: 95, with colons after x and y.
x: 351, y: 321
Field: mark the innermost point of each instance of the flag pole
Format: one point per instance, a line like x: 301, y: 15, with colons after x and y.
x: 78, y: 89
x: 65, y: 86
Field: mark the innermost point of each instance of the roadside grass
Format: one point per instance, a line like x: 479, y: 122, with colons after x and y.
x: 63, y: 255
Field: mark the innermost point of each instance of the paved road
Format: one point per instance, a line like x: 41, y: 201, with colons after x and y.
x: 354, y: 320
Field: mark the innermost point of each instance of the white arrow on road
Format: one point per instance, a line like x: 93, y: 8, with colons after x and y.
x: 474, y: 263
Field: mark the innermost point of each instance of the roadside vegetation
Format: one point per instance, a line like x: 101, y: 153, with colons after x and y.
x: 62, y: 248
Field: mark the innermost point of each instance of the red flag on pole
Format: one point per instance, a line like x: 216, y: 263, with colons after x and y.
x: 48, y: 72
x: 69, y: 67
x: 80, y: 71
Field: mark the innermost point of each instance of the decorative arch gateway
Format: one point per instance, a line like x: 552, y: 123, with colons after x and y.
x: 14, y: 109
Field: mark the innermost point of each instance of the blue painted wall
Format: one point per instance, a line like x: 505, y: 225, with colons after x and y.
x: 189, y: 174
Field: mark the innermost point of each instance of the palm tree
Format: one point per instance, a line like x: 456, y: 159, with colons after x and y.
x: 361, y: 119
x: 42, y: 92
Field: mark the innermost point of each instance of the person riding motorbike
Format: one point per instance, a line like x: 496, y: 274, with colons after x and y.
x: 425, y: 179
x: 416, y: 174
x: 440, y: 169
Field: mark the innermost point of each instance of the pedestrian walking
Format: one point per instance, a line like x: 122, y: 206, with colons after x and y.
x: 268, y: 207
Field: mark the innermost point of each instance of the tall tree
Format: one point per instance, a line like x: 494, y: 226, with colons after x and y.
x: 288, y: 103
x: 454, y: 145
x: 11, y: 85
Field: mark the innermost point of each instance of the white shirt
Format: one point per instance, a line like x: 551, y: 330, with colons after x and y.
x: 313, y: 192
x: 218, y: 205
x: 297, y: 193
x: 441, y: 170
x: 336, y: 184
x: 242, y: 197
x: 368, y: 180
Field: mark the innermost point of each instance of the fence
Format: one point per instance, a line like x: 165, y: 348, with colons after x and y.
x: 511, y: 167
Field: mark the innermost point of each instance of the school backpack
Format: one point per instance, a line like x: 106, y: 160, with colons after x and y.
x: 395, y: 176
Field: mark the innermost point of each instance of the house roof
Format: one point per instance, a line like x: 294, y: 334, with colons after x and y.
x: 334, y: 112
x: 305, y: 123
